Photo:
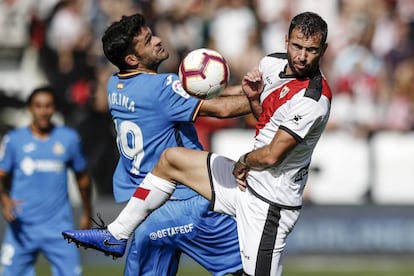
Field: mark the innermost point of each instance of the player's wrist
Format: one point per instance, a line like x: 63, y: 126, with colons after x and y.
x: 242, y: 160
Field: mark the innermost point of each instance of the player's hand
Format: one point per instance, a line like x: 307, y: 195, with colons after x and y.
x: 85, y: 222
x: 242, y: 184
x: 240, y: 172
x: 252, y: 84
x: 8, y: 206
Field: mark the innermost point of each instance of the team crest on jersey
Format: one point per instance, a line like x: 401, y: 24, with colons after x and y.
x: 284, y: 92
x: 58, y: 148
x: 178, y: 88
x: 120, y: 85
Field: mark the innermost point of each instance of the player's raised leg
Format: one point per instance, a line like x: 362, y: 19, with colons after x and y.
x: 186, y: 166
x: 176, y: 165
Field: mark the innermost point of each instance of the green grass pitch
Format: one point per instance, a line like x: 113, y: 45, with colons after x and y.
x: 294, y: 266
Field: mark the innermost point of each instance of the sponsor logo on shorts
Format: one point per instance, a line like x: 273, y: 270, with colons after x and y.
x: 172, y: 231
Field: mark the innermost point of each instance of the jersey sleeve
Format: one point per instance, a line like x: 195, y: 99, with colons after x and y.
x: 6, y: 156
x: 78, y: 160
x: 302, y: 114
x: 176, y: 102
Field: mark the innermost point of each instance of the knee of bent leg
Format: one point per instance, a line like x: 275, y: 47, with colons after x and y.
x: 167, y: 158
x: 166, y: 165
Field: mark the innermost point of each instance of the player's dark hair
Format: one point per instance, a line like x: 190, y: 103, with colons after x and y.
x: 310, y: 24
x: 118, y: 39
x: 39, y: 90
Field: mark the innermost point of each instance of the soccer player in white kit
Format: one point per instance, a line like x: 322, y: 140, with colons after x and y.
x: 263, y: 190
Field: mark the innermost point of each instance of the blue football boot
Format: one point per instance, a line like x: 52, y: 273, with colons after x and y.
x: 97, y: 238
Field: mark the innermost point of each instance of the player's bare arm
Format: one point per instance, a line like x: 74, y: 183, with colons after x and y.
x: 265, y: 157
x: 5, y: 200
x: 234, y: 90
x: 85, y: 187
x: 272, y: 154
x: 252, y: 85
x: 225, y: 107
x: 7, y: 203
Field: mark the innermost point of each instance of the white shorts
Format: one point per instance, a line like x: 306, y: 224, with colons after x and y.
x: 262, y: 227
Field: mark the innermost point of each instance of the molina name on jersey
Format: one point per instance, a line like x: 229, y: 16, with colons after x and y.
x: 151, y: 112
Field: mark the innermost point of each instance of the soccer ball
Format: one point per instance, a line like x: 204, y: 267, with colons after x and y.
x: 204, y: 73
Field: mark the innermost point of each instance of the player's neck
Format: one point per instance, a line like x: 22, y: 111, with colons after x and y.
x: 41, y: 133
x: 140, y: 71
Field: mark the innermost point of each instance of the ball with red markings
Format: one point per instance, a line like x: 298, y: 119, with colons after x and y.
x: 204, y: 73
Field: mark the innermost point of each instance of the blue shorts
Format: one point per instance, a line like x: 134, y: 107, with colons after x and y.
x: 22, y: 244
x: 185, y: 226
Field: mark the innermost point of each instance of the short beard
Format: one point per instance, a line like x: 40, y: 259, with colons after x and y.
x: 307, y: 73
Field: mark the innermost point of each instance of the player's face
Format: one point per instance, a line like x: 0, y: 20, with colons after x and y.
x: 42, y: 109
x: 149, y: 50
x: 303, y: 53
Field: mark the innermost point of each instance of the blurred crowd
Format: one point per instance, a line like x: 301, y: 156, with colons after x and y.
x: 369, y: 62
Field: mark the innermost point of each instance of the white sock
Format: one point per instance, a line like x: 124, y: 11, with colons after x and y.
x: 150, y: 195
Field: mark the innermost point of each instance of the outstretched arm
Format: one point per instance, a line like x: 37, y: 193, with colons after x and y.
x: 234, y: 90
x: 232, y: 102
x: 237, y: 100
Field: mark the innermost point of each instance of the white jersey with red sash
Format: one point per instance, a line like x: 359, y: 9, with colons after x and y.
x: 299, y: 106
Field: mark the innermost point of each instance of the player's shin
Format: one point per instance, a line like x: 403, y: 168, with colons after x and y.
x: 150, y: 195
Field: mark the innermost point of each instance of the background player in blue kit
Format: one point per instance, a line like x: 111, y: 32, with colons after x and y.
x: 152, y: 112
x: 36, y: 205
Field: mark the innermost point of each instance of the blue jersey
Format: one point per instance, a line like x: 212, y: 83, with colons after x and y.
x: 151, y: 112
x: 39, y: 172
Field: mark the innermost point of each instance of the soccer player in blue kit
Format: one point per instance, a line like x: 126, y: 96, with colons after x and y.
x: 151, y: 113
x: 37, y: 205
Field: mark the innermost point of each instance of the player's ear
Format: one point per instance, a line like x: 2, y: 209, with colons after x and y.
x: 286, y: 41
x: 131, y: 60
x: 325, y: 46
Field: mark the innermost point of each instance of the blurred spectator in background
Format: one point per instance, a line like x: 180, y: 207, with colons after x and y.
x: 399, y: 114
x: 65, y: 58
x: 36, y: 204
x: 233, y: 31
x: 273, y: 19
x: 182, y: 25
x: 357, y: 71
x: 19, y: 72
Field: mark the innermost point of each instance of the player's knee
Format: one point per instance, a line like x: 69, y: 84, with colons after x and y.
x: 167, y: 159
